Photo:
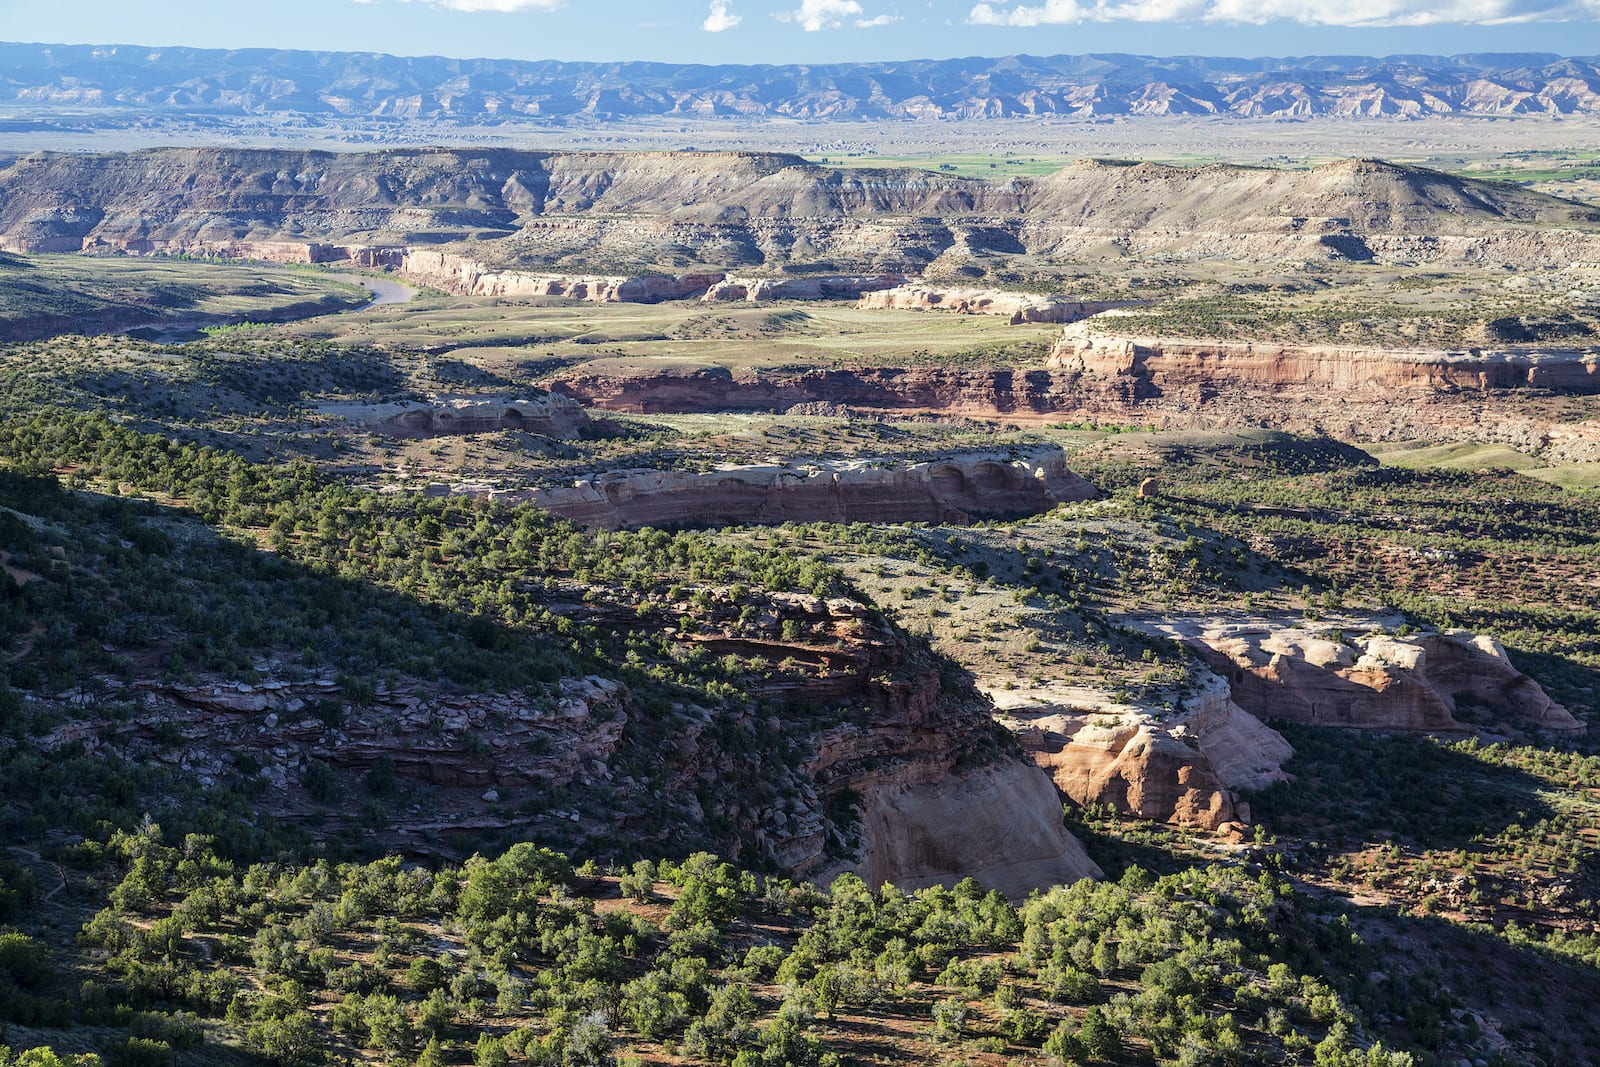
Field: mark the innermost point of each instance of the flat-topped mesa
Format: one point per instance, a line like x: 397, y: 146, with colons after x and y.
x: 1018, y: 307
x: 551, y: 415
x: 1332, y: 675
x: 955, y: 489
x: 1172, y: 364
x: 1185, y: 767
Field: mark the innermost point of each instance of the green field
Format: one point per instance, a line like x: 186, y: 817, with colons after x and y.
x: 49, y: 294
x: 1472, y: 456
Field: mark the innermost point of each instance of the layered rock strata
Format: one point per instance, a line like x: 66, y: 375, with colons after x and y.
x: 899, y: 775
x: 1017, y: 307
x: 951, y: 490
x: 1361, y: 674
x: 802, y: 287
x: 1186, y: 767
x: 526, y: 213
x: 1165, y: 366
x: 551, y: 415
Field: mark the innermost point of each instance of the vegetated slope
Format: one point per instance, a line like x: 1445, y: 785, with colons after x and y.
x: 630, y: 211
x: 488, y: 670
x: 57, y: 295
x: 201, y: 84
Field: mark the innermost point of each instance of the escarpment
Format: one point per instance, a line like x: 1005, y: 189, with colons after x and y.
x: 955, y: 489
x: 1367, y: 677
x: 523, y: 214
x: 1017, y: 307
x: 1171, y: 367
x: 551, y: 415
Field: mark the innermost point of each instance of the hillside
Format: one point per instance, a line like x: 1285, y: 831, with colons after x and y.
x: 616, y: 212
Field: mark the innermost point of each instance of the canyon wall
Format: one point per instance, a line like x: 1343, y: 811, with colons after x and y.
x: 1168, y: 365
x: 1365, y: 676
x: 1017, y: 307
x: 955, y: 489
x: 1185, y: 767
x: 551, y: 415
x: 883, y: 764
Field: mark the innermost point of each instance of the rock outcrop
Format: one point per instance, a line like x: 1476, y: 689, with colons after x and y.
x: 1015, y: 395
x: 1168, y: 366
x: 1186, y: 767
x: 1002, y: 822
x: 1017, y: 307
x: 283, y: 725
x: 801, y: 287
x: 955, y: 489
x: 1359, y: 673
x: 551, y: 415
x: 469, y: 277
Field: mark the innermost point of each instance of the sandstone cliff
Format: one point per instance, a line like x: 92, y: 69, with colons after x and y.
x: 1358, y: 673
x: 955, y: 489
x: 1170, y: 365
x: 1017, y: 307
x: 802, y: 287
x: 552, y: 415
x: 1185, y: 767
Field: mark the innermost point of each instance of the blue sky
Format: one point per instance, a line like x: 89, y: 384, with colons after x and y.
x: 813, y: 31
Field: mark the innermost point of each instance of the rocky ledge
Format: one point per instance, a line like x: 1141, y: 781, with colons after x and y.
x: 1018, y: 307
x: 955, y: 489
x: 551, y: 415
x: 1170, y: 365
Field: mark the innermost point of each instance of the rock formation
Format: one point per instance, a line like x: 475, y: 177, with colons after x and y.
x: 552, y: 415
x: 1017, y: 307
x: 1185, y: 767
x: 898, y: 774
x: 954, y: 490
x: 469, y: 277
x: 1358, y: 673
x: 801, y: 287
x: 1164, y: 366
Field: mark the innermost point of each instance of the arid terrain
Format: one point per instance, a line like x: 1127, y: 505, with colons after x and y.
x: 1178, y: 583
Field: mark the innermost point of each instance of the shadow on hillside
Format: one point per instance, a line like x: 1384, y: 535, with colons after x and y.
x: 1355, y: 788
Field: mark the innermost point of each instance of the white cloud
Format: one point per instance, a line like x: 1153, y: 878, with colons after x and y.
x: 721, y: 17
x: 504, y: 6
x: 814, y: 15
x: 1309, y: 12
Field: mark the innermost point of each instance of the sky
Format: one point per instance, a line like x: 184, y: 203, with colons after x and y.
x: 819, y: 31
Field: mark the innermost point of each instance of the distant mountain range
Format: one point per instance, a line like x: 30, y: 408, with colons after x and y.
x: 260, y: 82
